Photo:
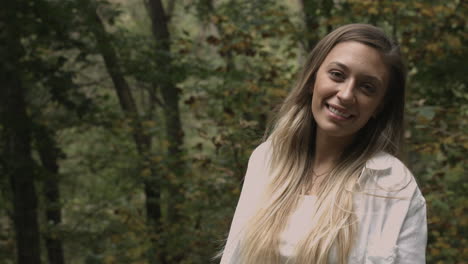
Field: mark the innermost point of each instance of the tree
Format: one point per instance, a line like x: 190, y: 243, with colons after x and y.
x: 142, y: 140
x: 169, y: 91
x: 49, y: 155
x: 16, y: 136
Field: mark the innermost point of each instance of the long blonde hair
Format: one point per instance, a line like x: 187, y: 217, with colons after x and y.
x: 292, y: 150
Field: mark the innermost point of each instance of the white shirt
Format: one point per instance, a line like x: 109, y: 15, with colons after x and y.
x: 390, y: 230
x: 297, y: 226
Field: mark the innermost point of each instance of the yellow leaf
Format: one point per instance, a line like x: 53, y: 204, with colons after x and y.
x: 448, y: 140
x: 278, y: 92
x: 146, y: 172
x: 373, y: 11
x: 229, y: 29
x: 109, y: 260
x: 253, y: 87
x: 149, y: 123
x: 427, y: 12
x: 454, y: 41
x: 439, y: 9
x: 432, y: 46
x: 435, y: 252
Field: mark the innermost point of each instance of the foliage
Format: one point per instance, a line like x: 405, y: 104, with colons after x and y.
x: 234, y: 61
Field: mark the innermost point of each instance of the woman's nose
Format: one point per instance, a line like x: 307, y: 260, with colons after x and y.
x: 346, y: 93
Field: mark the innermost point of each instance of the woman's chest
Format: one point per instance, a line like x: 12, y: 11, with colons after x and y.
x: 377, y: 221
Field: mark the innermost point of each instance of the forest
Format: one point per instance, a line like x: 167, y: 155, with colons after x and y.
x: 126, y: 125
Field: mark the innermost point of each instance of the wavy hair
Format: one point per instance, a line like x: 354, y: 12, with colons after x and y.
x: 292, y: 136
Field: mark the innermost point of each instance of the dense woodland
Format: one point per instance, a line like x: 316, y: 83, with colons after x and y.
x: 126, y: 125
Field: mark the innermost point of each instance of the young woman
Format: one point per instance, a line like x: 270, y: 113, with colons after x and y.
x: 326, y: 187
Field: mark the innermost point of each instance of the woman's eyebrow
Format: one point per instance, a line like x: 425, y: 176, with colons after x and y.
x: 339, y: 64
x: 371, y: 78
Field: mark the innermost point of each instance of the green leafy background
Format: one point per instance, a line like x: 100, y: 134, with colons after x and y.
x: 233, y: 63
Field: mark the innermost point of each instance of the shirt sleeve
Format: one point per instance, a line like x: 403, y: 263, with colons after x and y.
x: 250, y: 195
x: 401, y: 241
x: 412, y: 239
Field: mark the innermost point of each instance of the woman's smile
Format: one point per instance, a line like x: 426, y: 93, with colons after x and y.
x: 338, y: 112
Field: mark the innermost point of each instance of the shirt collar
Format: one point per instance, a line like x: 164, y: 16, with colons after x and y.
x: 380, y: 161
x: 387, y: 170
x: 379, y: 165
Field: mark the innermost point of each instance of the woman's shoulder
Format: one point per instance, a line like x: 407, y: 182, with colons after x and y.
x: 259, y: 162
x: 261, y: 154
x: 263, y: 148
x: 388, y: 175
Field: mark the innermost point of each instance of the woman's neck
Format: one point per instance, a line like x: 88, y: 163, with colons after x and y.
x: 327, y: 151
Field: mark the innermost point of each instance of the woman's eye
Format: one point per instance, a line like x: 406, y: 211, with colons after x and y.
x: 368, y: 88
x: 336, y: 75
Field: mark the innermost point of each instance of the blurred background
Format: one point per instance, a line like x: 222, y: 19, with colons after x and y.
x: 126, y: 125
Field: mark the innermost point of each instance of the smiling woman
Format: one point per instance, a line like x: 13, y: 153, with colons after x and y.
x: 325, y: 186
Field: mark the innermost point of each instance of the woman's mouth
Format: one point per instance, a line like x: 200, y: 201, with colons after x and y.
x: 338, y: 112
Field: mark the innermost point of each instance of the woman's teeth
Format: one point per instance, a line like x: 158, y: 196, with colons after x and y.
x: 338, y: 112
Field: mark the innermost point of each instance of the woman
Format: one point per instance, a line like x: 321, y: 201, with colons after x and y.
x: 325, y: 187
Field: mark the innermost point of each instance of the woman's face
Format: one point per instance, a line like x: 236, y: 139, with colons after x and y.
x: 349, y: 89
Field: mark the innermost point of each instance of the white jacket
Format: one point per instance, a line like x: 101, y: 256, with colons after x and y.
x: 390, y: 230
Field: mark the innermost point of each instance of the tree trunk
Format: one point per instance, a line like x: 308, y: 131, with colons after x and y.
x: 170, y: 94
x: 142, y: 141
x: 311, y: 21
x: 174, y: 132
x: 16, y: 133
x: 49, y: 154
x: 121, y: 86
